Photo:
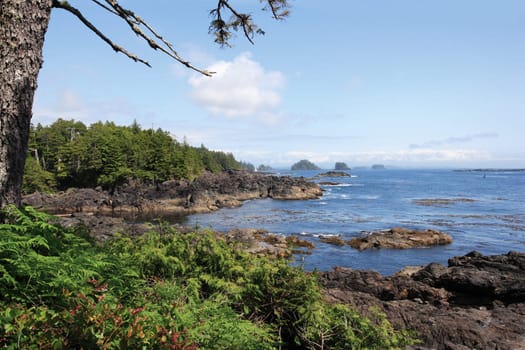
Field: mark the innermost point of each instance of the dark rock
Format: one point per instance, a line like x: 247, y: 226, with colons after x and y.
x: 101, y: 228
x: 335, y: 240
x: 441, y: 201
x: 334, y: 174
x: 432, y: 300
x: 296, y: 242
x: 207, y: 193
x: 400, y: 238
x: 499, y: 277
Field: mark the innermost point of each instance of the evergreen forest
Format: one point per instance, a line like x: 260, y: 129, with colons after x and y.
x: 67, y: 153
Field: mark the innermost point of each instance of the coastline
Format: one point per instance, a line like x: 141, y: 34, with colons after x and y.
x: 207, y: 193
x: 463, y: 305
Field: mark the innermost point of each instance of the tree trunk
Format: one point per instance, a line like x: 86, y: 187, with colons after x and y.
x: 23, y: 25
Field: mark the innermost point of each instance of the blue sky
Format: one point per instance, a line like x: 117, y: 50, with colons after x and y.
x: 406, y: 83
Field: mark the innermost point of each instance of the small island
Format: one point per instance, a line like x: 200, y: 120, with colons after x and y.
x: 378, y: 167
x: 341, y: 166
x: 305, y: 165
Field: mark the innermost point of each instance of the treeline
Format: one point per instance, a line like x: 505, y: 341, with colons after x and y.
x: 68, y: 153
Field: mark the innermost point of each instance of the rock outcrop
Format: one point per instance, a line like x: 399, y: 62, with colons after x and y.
x: 400, y: 238
x: 207, y: 193
x: 263, y: 243
x: 333, y: 173
x: 477, y: 302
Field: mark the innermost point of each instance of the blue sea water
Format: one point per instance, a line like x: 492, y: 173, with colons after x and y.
x: 486, y: 213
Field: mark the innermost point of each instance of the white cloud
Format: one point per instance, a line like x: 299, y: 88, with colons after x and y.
x: 241, y: 88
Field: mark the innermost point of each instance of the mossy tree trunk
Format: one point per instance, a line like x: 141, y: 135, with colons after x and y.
x: 23, y: 25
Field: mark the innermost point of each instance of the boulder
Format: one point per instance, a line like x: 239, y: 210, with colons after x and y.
x: 473, y: 276
x: 263, y: 243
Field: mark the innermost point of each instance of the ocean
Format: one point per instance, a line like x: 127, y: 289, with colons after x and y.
x: 481, y: 210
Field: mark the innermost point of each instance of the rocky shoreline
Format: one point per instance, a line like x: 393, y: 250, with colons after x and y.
x: 477, y: 302
x: 207, y: 193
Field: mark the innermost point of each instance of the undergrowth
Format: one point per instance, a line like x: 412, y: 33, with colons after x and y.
x: 163, y: 290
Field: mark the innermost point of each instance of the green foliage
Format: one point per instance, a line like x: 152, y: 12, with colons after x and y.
x: 163, y: 290
x: 69, y: 154
x: 36, y: 178
x: 39, y: 259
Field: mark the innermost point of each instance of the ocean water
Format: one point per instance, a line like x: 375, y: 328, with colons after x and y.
x: 486, y: 212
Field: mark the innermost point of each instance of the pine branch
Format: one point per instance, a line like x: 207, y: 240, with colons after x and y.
x: 159, y: 43
x: 279, y: 8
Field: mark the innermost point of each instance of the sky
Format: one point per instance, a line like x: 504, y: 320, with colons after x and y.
x: 405, y: 83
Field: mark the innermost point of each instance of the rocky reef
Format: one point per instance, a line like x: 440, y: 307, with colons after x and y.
x: 477, y: 302
x: 333, y: 173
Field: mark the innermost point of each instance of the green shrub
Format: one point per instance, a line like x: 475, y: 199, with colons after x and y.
x: 163, y: 290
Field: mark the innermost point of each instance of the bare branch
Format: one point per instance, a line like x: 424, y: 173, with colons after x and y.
x: 104, y: 7
x: 135, y: 23
x: 222, y: 29
x: 66, y: 6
